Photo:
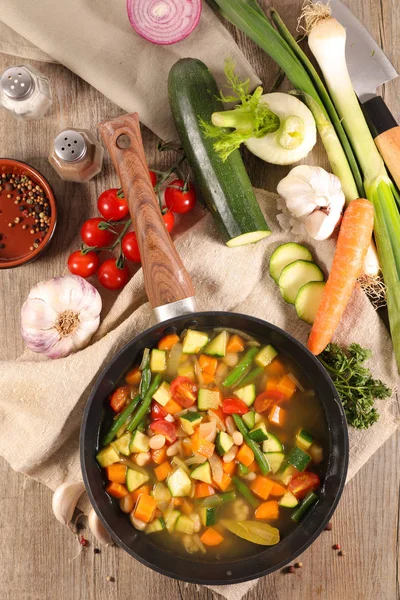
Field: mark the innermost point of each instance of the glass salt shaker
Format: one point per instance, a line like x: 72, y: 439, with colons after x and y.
x: 25, y: 92
x: 76, y: 155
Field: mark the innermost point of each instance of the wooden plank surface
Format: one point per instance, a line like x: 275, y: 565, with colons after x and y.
x: 39, y: 559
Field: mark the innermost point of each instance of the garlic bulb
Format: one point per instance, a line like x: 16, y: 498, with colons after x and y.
x: 60, y: 316
x: 65, y: 499
x: 312, y: 201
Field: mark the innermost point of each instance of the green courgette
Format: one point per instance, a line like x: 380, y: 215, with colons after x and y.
x: 224, y: 185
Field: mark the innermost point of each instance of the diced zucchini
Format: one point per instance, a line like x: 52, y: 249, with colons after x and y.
x: 194, y: 341
x: 208, y: 399
x: 259, y: 433
x: 265, y: 356
x: 249, y: 419
x: 202, y: 473
x: 304, y: 439
x: 288, y: 500
x: 286, y: 473
x: 308, y: 300
x: 298, y: 459
x: 158, y: 361
x: 295, y: 275
x: 258, y: 418
x: 107, y: 456
x: 163, y: 394
x: 247, y: 393
x: 122, y: 444
x: 186, y: 370
x: 208, y: 516
x: 284, y: 255
x: 242, y: 470
x: 189, y: 421
x: 275, y: 460
x: 217, y: 347
x: 223, y: 443
x: 139, y: 443
x: 155, y: 526
x: 135, y: 478
x: 185, y: 525
x: 171, y: 521
x: 272, y: 444
x: 179, y: 483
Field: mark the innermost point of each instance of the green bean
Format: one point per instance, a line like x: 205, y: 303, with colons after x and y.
x: 142, y: 410
x: 146, y: 378
x: 120, y: 420
x: 246, y: 493
x: 258, y: 454
x: 252, y: 376
x: 240, y: 367
x: 307, y: 503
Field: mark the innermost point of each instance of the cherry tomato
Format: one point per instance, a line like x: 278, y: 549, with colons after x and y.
x: 169, y: 221
x: 153, y: 178
x: 119, y: 397
x: 111, y: 207
x: 266, y: 399
x: 130, y: 247
x: 184, y: 391
x: 167, y: 429
x: 177, y: 200
x: 92, y: 235
x: 157, y: 411
x: 234, y: 406
x: 111, y: 276
x: 84, y: 265
x: 304, y: 483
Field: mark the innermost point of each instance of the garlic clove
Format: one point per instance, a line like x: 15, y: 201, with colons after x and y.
x: 63, y: 347
x: 319, y: 225
x: 97, y: 528
x: 65, y: 499
x: 82, y: 334
x: 37, y: 314
x: 40, y: 340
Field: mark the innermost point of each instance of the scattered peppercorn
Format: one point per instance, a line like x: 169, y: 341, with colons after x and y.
x: 83, y: 541
x: 11, y: 224
x: 336, y: 546
x: 110, y: 578
x: 291, y: 569
x: 97, y: 550
x: 341, y: 553
x: 299, y: 565
x: 9, y: 195
x: 328, y: 526
x: 79, y: 526
x: 2, y: 246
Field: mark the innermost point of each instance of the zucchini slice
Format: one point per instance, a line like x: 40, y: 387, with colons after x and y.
x: 295, y: 275
x: 284, y: 255
x: 308, y: 300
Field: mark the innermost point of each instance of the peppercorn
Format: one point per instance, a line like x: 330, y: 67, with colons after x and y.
x: 299, y: 565
x: 9, y: 195
x: 32, y: 231
x: 31, y: 248
x: 328, y: 526
x: 97, y: 550
x: 341, y: 553
x: 83, y: 541
x: 2, y: 246
x: 11, y: 224
x: 8, y: 187
x: 291, y: 569
x: 17, y: 220
x: 336, y: 546
x: 21, y: 208
x: 25, y: 226
x: 110, y: 578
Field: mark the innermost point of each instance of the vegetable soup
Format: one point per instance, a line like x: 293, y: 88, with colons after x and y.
x: 216, y: 444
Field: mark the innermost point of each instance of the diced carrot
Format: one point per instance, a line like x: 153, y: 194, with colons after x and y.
x: 119, y: 397
x: 277, y: 489
x: 177, y: 501
x: 163, y: 470
x: 245, y: 455
x: 133, y: 376
x: 275, y: 368
x: 186, y: 506
x: 272, y: 384
x: 203, y: 490
x: 254, y: 468
x: 159, y: 456
x: 145, y: 508
x: 167, y: 342
x: 144, y: 489
x: 277, y: 415
x: 207, y: 378
x: 261, y: 486
x: 225, y: 483
x: 267, y: 510
x: 116, y: 490
x: 235, y: 344
x: 187, y: 446
x: 286, y: 386
x: 211, y: 537
x: 157, y: 514
x: 201, y: 446
x: 229, y: 468
x: 116, y: 473
x: 208, y: 364
x: 172, y: 407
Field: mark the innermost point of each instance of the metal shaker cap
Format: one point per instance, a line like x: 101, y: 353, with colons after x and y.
x: 17, y: 83
x: 70, y: 146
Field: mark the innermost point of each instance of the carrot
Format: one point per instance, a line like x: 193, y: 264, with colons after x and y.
x: 116, y: 490
x: 229, y: 468
x: 163, y: 470
x: 211, y: 537
x: 145, y: 508
x: 235, y: 344
x: 272, y: 383
x: 187, y: 446
x: 159, y: 456
x: 167, y: 342
x: 277, y: 415
x: 177, y: 501
x: 276, y: 368
x: 186, y: 506
x: 351, y: 248
x: 133, y: 376
x: 286, y: 386
x: 277, y: 489
x: 119, y: 397
x: 172, y: 407
x: 201, y: 446
x: 267, y: 510
x: 207, y: 377
x: 144, y: 489
x: 225, y: 483
x: 245, y: 455
x: 208, y: 364
x: 261, y: 486
x: 116, y: 473
x: 253, y: 467
x: 203, y: 490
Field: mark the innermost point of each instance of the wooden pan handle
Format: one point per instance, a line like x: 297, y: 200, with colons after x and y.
x: 388, y: 144
x: 165, y: 277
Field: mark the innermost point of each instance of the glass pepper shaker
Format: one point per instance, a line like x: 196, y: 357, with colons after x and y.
x: 76, y: 155
x: 25, y: 92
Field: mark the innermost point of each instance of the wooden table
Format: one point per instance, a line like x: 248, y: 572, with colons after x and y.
x: 39, y: 559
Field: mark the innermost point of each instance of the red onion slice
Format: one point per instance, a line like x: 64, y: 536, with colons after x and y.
x: 164, y: 21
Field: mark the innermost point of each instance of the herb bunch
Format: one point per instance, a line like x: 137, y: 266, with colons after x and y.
x: 354, y: 382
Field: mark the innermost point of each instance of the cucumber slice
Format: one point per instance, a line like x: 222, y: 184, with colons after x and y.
x: 208, y: 516
x: 171, y: 521
x: 247, y: 394
x: 275, y: 460
x: 288, y: 500
x: 217, y: 347
x: 202, y: 473
x: 185, y: 525
x: 308, y: 300
x: 135, y: 478
x: 208, y: 399
x: 223, y: 443
x: 304, y: 439
x: 265, y: 356
x: 284, y: 255
x: 179, y: 483
x: 295, y: 275
x: 107, y: 456
x: 155, y: 526
x: 194, y: 341
x: 163, y: 394
x: 249, y: 419
x: 189, y: 421
x: 299, y: 459
x: 259, y: 433
x: 122, y: 444
x: 139, y: 443
x: 272, y: 444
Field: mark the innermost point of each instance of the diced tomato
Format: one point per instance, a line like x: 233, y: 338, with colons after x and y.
x: 266, y: 399
x: 167, y: 429
x: 119, y: 397
x: 234, y: 406
x: 304, y: 483
x: 157, y: 411
x: 184, y: 391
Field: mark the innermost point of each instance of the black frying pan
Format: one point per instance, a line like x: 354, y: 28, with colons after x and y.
x: 171, y: 295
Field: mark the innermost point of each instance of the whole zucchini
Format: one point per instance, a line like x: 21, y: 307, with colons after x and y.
x: 224, y: 185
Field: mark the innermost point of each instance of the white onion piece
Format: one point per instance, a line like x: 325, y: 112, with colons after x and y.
x: 164, y: 21
x: 296, y: 381
x: 208, y: 431
x: 173, y: 359
x: 198, y: 459
x: 214, y: 417
x: 216, y: 468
